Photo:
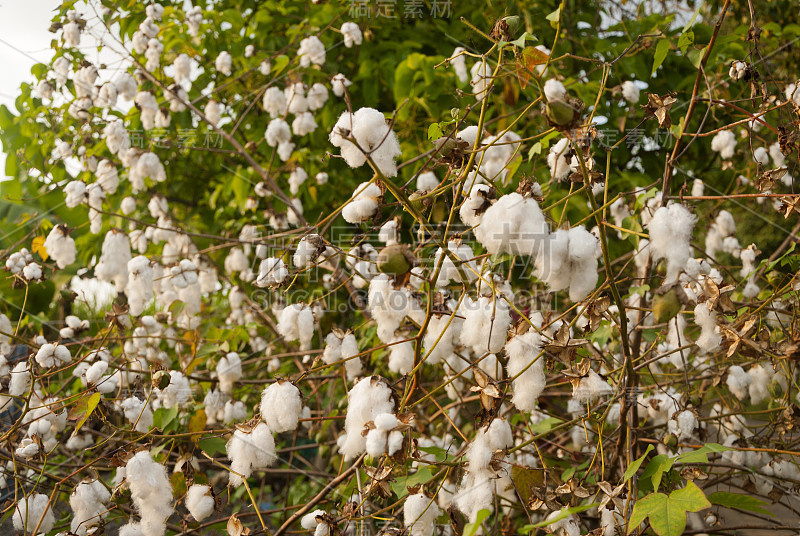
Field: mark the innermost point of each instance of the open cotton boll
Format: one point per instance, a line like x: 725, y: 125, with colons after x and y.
x: 760, y: 382
x: 724, y: 143
x: 630, y: 91
x: 698, y: 188
x: 213, y: 112
x: 373, y: 138
x: 339, y: 84
x: 352, y: 34
x: 710, y: 336
x: 568, y: 526
x: 20, y: 379
x: 459, y: 63
x: 88, y: 502
x: 590, y: 388
x: 557, y: 159
x: 472, y: 210
x: 138, y: 414
x: 113, y: 263
x: 304, y: 124
x: 311, y: 51
x: 554, y: 90
x: 107, y: 176
x: 523, y: 351
x: 481, y: 80
x: 441, y: 335
x: 139, y: 287
x: 224, y: 62
x: 229, y: 370
x: 401, y: 356
x: 317, y: 96
x: 462, y: 270
x: 250, y: 451
x: 199, y: 501
x: 419, y: 515
x: 296, y: 323
x: 60, y: 246
x: 670, y: 234
x: 514, y: 224
x: 683, y: 424
x: 363, y: 204
x: 761, y: 156
x: 151, y: 493
x: 738, y: 381
x: 278, y: 132
x: 274, y: 102
x: 177, y: 392
x: 34, y: 510
x: 367, y: 399
x: 427, y: 181
x: 271, y: 272
x: 792, y: 93
x: 486, y: 321
x: 281, y: 406
x: 53, y: 355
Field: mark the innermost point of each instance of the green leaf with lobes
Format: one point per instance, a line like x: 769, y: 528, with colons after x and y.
x: 667, y: 513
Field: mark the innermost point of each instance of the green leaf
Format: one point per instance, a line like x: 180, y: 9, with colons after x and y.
x: 525, y: 480
x: 163, y: 416
x: 471, y: 528
x: 701, y: 455
x: 636, y: 464
x: 695, y: 56
x: 401, y: 485
x: 661, y: 54
x: 520, y: 41
x: 435, y: 131
x: 739, y: 501
x: 212, y: 445
x: 555, y: 16
x: 685, y: 41
x: 656, y: 468
x: 279, y: 64
x: 667, y: 513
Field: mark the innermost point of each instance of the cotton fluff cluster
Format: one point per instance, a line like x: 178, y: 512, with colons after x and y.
x: 384, y: 438
x: 738, y: 70
x: 514, y: 224
x: 486, y: 321
x: 724, y: 143
x: 343, y: 346
x: 88, y: 502
x: 670, y: 234
x: 363, y: 204
x: 373, y: 139
x: 279, y: 135
x: 224, y: 62
x: 199, y: 501
x: 60, y: 246
x: 281, y: 406
x: 249, y: 452
x: 271, y: 272
x: 177, y: 392
x: 74, y: 325
x: 710, y: 336
x: 390, y: 306
x: 367, y: 399
x: 229, y: 371
x: 296, y: 323
x: 630, y: 91
x: 311, y: 51
x: 459, y: 63
x: 352, y: 34
x: 17, y: 261
x: 138, y: 414
x: 139, y: 286
x: 315, y: 521
x: 527, y: 366
x: 481, y: 79
x: 568, y: 259
x: 590, y: 387
x: 53, y: 355
x: 683, y: 424
x: 720, y: 236
x: 463, y: 269
x: 419, y: 515
x: 113, y: 263
x: 339, y: 84
x: 151, y: 493
x: 32, y: 511
x: 478, y: 486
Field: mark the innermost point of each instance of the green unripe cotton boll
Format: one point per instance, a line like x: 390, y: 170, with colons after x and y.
x: 396, y: 259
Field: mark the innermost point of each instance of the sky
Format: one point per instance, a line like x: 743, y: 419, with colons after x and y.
x: 24, y: 41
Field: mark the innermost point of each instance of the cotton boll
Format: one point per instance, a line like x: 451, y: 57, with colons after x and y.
x: 710, y: 337
x: 523, y: 354
x: 138, y: 414
x: 278, y: 131
x: 213, y: 112
x: 317, y: 96
x: 311, y: 51
x: 401, y: 357
x: 339, y: 84
x: 249, y: 452
x: 271, y: 272
x: 419, y: 515
x: 34, y: 510
x: 373, y: 138
x: 724, y: 143
x: 274, y: 103
x: 738, y: 381
x: 352, y: 34
x: 363, y: 204
x: 224, y: 62
x: 568, y: 526
x: 20, y: 379
x: 463, y: 269
x: 296, y: 323
x: 761, y: 379
x: 459, y: 63
x: 486, y: 322
x: 199, y: 501
x: 670, y: 234
x: 481, y: 80
x: 60, y: 246
x: 304, y: 124
x: 177, y: 392
x: 698, y: 188
x: 88, y: 502
x: 683, y: 424
x: 554, y: 90
x: 591, y: 387
x: 281, y: 406
x: 630, y: 91
x: 557, y: 160
x: 513, y: 224
x: 151, y: 493
x: 761, y: 156
x: 229, y: 371
x: 367, y: 399
x: 440, y: 336
x: 778, y: 159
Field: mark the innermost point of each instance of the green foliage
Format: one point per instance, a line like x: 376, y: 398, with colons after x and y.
x: 667, y: 513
